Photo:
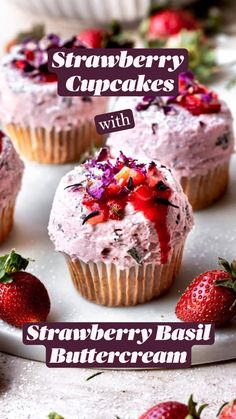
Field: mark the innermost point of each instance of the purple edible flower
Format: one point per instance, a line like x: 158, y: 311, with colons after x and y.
x: 145, y: 103
x: 168, y: 109
x: 157, y: 101
x: 206, y: 97
x: 95, y: 191
x: 108, y: 176
x: 101, y: 174
x: 187, y: 77
x: 54, y: 39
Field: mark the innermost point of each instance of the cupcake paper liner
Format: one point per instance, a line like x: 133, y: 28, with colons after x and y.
x: 203, y: 190
x: 6, y: 220
x: 53, y: 146
x: 108, y: 285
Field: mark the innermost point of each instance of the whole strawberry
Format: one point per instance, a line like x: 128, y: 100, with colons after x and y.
x: 170, y: 22
x: 174, y: 410
x: 111, y: 37
x: 23, y: 298
x: 92, y: 38
x: 210, y: 297
x: 228, y: 410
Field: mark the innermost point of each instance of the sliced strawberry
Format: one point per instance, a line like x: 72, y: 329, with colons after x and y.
x: 197, y: 106
x: 113, y: 189
x: 126, y: 173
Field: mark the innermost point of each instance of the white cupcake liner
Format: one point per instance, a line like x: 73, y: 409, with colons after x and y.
x: 203, y: 190
x: 52, y: 145
x: 108, y: 285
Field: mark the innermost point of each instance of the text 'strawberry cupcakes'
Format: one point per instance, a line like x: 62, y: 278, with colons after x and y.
x: 11, y: 171
x: 191, y: 133
x: 45, y: 127
x: 122, y: 225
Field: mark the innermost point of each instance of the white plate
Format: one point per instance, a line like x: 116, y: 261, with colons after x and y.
x: 214, y: 235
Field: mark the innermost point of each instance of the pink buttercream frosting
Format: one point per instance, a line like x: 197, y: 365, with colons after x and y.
x: 11, y: 171
x: 188, y: 144
x: 28, y: 103
x: 111, y: 240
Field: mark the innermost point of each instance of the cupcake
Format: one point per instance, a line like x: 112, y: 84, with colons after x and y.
x: 121, y: 224
x: 11, y: 171
x: 191, y: 133
x: 45, y: 127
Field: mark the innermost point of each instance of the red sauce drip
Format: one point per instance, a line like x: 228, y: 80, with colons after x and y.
x: 157, y: 214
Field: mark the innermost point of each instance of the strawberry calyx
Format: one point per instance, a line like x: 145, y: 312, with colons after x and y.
x: 230, y: 282
x: 228, y: 267
x: 194, y: 413
x: 115, y: 37
x: 12, y: 262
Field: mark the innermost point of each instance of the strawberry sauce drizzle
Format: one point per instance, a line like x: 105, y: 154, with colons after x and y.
x: 157, y: 214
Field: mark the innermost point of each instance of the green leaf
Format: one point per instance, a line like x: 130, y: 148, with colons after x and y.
x: 228, y: 283
x: 11, y: 263
x: 36, y: 32
x: 233, y: 268
x: 5, y: 278
x: 15, y: 262
x: 133, y: 252
x: 3, y: 261
x: 94, y: 375
x: 54, y: 415
x: 202, y: 56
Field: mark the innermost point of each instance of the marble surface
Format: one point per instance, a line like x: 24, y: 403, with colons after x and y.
x: 30, y: 390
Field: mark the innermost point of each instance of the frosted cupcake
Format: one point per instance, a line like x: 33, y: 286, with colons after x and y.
x: 122, y: 226
x: 191, y: 133
x: 45, y: 127
x: 11, y: 171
